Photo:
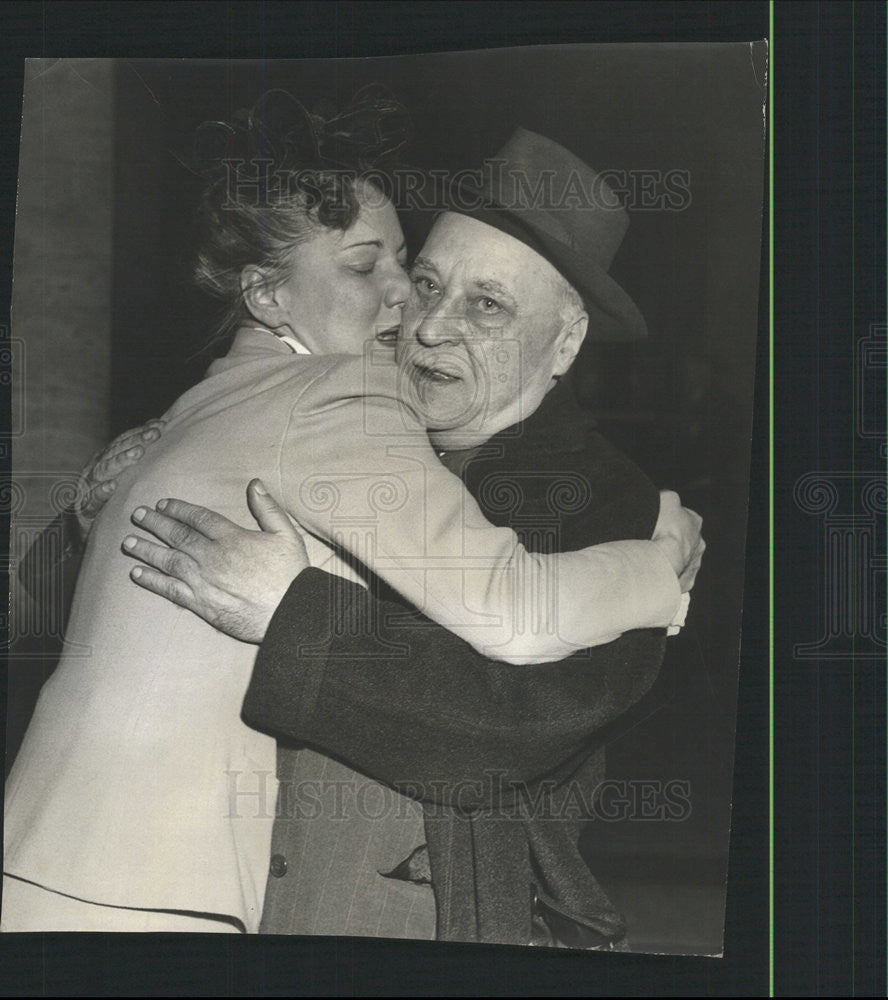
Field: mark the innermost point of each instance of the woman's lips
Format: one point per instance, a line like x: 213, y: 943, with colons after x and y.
x: 388, y: 336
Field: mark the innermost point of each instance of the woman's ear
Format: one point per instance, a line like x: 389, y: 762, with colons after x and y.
x: 572, y: 337
x: 261, y: 296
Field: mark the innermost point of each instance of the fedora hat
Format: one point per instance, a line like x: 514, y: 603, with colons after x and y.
x: 541, y: 194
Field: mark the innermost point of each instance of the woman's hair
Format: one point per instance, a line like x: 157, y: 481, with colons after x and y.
x: 275, y: 175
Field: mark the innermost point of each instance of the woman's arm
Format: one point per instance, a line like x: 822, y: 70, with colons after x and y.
x: 357, y: 469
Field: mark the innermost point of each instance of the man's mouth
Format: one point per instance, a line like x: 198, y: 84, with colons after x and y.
x: 437, y: 373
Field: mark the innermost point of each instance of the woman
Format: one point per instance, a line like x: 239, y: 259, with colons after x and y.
x: 139, y: 800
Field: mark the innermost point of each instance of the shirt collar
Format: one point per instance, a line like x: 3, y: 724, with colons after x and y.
x: 251, y: 343
x: 248, y: 337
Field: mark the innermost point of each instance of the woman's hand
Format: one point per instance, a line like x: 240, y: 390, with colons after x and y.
x: 678, y: 533
x: 98, y: 478
x: 231, y: 577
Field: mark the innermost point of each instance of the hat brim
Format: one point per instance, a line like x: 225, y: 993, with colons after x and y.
x: 613, y: 316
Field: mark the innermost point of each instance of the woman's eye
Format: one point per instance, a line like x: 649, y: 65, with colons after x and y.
x: 363, y: 268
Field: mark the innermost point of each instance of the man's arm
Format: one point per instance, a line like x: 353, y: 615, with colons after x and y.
x: 407, y: 702
x: 52, y: 563
x: 368, y: 681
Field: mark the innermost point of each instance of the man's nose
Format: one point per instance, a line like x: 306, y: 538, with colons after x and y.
x: 440, y: 326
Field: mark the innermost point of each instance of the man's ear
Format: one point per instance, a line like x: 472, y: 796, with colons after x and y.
x: 262, y: 297
x: 572, y: 337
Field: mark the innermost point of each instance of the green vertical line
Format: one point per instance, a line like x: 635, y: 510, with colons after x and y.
x: 854, y: 595
x: 821, y: 550
x: 853, y: 567
x: 771, y: 500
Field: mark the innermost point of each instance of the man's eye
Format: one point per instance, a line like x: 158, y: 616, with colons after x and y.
x: 424, y: 285
x: 489, y: 305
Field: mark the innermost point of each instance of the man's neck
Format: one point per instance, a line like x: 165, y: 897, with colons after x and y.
x: 467, y: 439
x: 554, y: 422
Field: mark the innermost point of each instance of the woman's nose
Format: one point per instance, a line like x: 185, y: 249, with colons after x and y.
x: 398, y: 290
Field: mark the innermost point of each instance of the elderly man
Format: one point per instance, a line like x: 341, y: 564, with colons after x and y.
x: 379, y: 698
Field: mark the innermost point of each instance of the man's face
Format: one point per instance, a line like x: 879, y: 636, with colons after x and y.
x: 482, y: 334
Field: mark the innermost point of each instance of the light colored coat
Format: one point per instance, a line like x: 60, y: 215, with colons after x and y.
x: 132, y: 787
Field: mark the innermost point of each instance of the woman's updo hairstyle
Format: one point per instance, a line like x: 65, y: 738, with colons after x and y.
x: 277, y: 172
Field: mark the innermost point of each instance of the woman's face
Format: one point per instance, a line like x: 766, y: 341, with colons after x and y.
x: 346, y: 287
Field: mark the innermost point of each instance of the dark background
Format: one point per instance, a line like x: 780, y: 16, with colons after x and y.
x: 680, y: 404
x: 830, y: 898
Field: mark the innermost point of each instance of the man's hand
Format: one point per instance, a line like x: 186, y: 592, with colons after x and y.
x: 231, y: 577
x: 678, y: 534
x: 98, y: 478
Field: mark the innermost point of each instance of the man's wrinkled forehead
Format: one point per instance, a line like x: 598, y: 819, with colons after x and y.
x: 460, y: 243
